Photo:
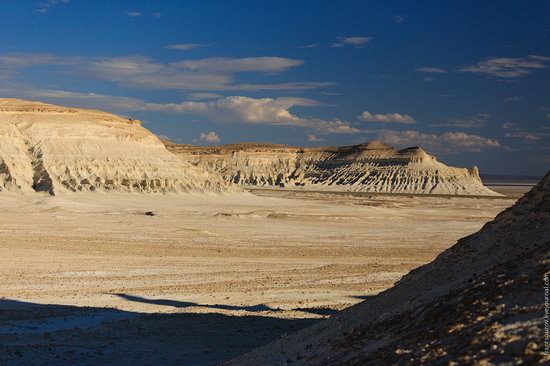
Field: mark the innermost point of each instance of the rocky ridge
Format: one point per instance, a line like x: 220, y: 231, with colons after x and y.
x: 369, y: 167
x: 481, y: 302
x: 48, y: 148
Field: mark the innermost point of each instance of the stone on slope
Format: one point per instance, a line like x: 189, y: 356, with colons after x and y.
x: 370, y: 167
x: 48, y: 148
x: 480, y: 302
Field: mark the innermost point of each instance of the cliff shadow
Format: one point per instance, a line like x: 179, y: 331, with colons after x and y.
x: 63, y: 335
x: 186, y: 304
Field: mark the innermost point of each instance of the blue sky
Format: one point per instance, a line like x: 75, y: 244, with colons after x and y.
x: 468, y: 81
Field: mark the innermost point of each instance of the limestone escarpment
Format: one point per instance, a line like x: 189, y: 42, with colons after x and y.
x: 52, y: 149
x: 370, y: 167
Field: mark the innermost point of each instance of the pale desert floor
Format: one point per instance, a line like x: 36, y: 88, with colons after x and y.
x: 91, y: 278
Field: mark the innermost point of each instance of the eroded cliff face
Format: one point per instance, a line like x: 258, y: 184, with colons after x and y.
x: 47, y: 148
x: 370, y: 167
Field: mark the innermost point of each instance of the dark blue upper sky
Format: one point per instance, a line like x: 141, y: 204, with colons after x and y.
x: 467, y: 80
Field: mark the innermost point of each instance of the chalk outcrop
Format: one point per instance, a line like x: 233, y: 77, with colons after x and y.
x: 481, y: 302
x: 48, y: 148
x: 370, y: 167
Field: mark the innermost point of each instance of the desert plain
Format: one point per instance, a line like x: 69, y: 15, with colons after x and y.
x: 202, y: 278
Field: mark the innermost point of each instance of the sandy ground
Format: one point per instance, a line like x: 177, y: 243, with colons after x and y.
x: 92, y: 278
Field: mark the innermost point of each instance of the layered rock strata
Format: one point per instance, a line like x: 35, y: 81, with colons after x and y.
x: 370, y: 167
x: 48, y: 148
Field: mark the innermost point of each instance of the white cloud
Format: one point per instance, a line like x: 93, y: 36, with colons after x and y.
x: 156, y: 15
x: 446, y: 143
x: 233, y: 109
x: 45, y: 6
x: 185, y: 46
x: 508, y: 68
x: 511, y: 99
x: 431, y: 70
x: 356, y: 42
x: 239, y: 109
x: 134, y: 14
x: 314, y: 138
x: 209, y: 74
x: 335, y: 126
x: 211, y: 137
x: 311, y: 45
x: 387, y: 118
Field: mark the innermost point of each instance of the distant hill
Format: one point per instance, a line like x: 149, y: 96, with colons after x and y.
x: 370, y: 167
x: 510, y: 179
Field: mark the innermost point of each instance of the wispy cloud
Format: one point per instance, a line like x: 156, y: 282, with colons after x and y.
x: 134, y: 14
x: 208, y: 74
x: 476, y: 121
x: 398, y: 19
x: 266, y: 65
x: 387, y: 118
x: 446, y: 143
x: 311, y: 45
x: 185, y: 46
x: 431, y: 70
x: 75, y: 99
x: 510, y: 126
x: 357, y: 42
x: 204, y: 95
x: 45, y: 6
x: 508, y: 68
x: 12, y: 63
x: 512, y: 99
x: 527, y: 137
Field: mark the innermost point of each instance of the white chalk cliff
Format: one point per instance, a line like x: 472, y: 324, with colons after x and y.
x: 48, y: 148
x: 370, y: 167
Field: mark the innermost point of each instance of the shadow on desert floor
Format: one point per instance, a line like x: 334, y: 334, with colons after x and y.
x: 185, y: 304
x: 60, y: 334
